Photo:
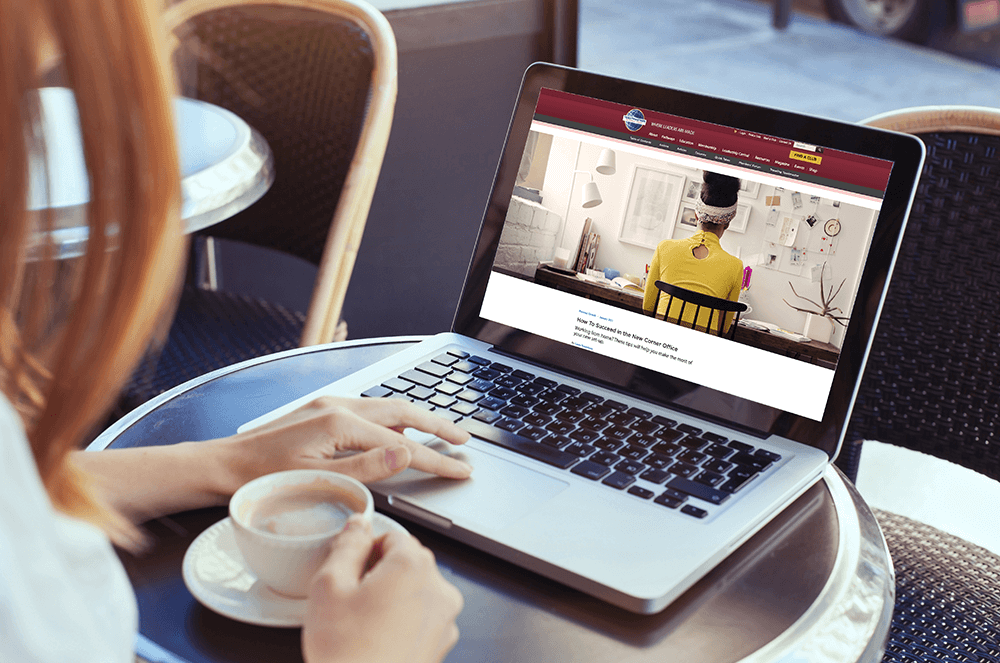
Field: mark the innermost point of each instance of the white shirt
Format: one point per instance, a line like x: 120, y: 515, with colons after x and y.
x: 64, y: 596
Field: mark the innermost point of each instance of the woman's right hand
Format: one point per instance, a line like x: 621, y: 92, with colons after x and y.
x: 379, y: 600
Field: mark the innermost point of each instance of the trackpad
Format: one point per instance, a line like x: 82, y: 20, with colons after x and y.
x: 498, y: 494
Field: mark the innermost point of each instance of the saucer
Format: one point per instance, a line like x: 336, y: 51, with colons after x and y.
x: 217, y: 576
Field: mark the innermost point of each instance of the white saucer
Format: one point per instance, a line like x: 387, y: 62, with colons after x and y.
x: 217, y: 576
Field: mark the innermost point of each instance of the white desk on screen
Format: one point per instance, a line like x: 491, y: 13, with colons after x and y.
x: 226, y: 166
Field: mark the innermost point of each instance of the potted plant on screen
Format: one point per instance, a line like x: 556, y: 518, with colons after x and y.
x: 823, y: 314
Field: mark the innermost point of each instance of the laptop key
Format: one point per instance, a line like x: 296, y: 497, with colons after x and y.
x: 619, y: 480
x: 668, y: 435
x: 433, y: 368
x: 523, y: 375
x: 560, y: 427
x: 470, y: 395
x: 378, y: 391
x: 536, y: 419
x: 507, y: 381
x: 482, y: 361
x: 630, y: 467
x: 709, y: 478
x: 516, y: 443
x: 557, y: 441
x: 655, y: 475
x: 701, y: 491
x: 446, y: 359
x: 465, y: 366
x: 486, y: 416
x: 580, y: 449
x: 443, y: 400
x: 487, y: 374
x: 664, y: 421
x: 591, y: 470
x: 448, y: 388
x: 503, y: 368
x: 657, y: 461
x: 605, y: 458
x: 690, y: 430
x: 509, y: 424
x: 491, y: 403
x: 503, y: 393
x: 420, y: 393
x: 397, y: 384
x: 534, y: 433
x: 514, y: 411
x: 639, y: 491
x: 421, y: 378
x: 459, y: 378
x: 692, y: 510
x: 769, y: 455
x: 669, y: 500
x: 464, y: 409
x: 461, y: 354
x: 585, y: 435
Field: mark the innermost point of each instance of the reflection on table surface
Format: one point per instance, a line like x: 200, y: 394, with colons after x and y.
x: 823, y: 354
x: 226, y: 166
x: 816, y: 578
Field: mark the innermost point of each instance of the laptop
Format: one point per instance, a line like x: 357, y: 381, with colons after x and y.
x: 620, y: 454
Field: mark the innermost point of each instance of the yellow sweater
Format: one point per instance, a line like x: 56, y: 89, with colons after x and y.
x: 719, y: 275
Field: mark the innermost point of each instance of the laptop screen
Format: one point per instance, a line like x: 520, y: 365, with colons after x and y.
x: 595, y: 187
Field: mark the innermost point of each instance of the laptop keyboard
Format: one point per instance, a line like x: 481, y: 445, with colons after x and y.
x: 652, y: 457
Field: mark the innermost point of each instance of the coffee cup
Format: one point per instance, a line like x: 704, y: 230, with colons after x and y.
x: 283, y: 523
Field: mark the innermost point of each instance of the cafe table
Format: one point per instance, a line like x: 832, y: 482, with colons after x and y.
x: 815, y: 584
x: 226, y: 166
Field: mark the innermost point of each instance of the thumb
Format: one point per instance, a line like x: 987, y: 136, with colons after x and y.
x: 348, y: 558
x: 374, y: 464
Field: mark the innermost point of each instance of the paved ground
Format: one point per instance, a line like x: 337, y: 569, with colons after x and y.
x: 728, y: 48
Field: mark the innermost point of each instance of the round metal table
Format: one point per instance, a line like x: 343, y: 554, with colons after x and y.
x: 815, y: 584
x: 226, y: 166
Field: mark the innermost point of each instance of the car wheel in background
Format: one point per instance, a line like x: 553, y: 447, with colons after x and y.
x: 902, y: 19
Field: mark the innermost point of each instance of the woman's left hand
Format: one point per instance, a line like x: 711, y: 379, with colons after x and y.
x: 315, y: 435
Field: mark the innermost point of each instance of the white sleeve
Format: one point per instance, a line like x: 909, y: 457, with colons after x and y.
x: 64, y: 595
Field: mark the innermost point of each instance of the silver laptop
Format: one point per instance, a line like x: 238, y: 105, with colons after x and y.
x: 619, y: 454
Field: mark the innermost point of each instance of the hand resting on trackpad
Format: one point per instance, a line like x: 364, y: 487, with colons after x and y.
x: 498, y: 494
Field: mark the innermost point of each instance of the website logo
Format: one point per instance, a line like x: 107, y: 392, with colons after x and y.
x: 634, y: 120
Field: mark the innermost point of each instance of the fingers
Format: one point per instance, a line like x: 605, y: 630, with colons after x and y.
x: 399, y: 414
x: 367, y: 424
x: 349, y: 555
x: 374, y: 464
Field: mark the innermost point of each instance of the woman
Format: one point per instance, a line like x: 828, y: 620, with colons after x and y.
x: 699, y: 262
x: 70, y: 337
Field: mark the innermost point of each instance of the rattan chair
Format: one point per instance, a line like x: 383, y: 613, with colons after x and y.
x: 932, y: 382
x: 317, y: 78
x: 716, y: 310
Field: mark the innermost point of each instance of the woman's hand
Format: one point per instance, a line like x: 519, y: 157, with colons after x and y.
x: 379, y: 600
x: 148, y: 482
x: 313, y: 436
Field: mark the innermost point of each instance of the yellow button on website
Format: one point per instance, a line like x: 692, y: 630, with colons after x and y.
x: 805, y: 156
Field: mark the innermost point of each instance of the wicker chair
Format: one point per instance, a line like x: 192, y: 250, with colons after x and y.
x: 932, y: 382
x: 317, y: 78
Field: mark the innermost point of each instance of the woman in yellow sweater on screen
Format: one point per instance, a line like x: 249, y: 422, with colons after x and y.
x: 699, y: 263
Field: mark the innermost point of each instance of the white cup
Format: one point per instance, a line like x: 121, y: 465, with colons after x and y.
x: 283, y: 523
x: 561, y: 258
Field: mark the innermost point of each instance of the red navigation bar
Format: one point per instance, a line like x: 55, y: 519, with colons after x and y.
x: 851, y: 169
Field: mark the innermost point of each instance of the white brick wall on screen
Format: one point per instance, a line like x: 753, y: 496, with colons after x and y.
x: 529, y: 237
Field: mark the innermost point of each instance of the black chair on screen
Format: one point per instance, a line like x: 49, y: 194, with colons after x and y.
x: 716, y: 308
x: 932, y: 381
x: 317, y: 78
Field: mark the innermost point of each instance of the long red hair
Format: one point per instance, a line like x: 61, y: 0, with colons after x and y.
x: 71, y: 331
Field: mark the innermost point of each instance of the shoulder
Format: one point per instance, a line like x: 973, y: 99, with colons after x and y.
x: 60, y: 581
